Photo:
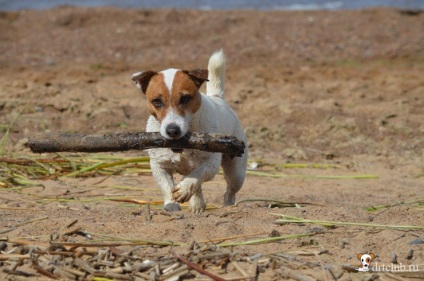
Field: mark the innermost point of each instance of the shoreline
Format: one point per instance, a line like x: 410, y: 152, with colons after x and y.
x: 219, y: 5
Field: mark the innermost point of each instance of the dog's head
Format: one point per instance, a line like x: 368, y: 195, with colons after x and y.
x: 172, y: 97
x: 365, y: 260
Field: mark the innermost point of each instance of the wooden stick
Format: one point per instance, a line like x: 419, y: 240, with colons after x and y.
x: 44, y: 272
x: 135, y: 141
x: 287, y: 273
x: 4, y: 257
x: 198, y: 268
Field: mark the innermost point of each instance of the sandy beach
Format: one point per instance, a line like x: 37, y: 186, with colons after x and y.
x: 341, y: 89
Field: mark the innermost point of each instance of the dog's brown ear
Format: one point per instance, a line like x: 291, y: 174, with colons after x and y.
x: 198, y: 76
x: 359, y: 256
x: 372, y: 255
x: 142, y: 79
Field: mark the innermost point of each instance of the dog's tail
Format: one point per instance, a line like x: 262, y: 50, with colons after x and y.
x: 216, y: 76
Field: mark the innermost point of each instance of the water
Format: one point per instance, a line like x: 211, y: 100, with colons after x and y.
x: 217, y: 4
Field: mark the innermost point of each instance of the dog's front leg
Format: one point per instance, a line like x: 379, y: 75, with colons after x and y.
x: 190, y: 188
x: 166, y: 183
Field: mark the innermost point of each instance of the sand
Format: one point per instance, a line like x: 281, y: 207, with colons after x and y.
x: 339, y: 88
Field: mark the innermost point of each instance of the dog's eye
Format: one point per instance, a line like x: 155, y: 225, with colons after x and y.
x: 185, y: 99
x: 157, y: 103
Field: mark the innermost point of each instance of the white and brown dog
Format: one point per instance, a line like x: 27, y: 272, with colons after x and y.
x: 176, y: 107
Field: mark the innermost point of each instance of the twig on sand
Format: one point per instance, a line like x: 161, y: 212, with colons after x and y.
x: 287, y: 273
x: 275, y: 202
x: 4, y: 257
x: 349, y: 268
x: 149, y: 216
x: 197, y: 268
x: 44, y: 272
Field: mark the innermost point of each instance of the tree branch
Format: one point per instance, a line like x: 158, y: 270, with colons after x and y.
x: 134, y: 141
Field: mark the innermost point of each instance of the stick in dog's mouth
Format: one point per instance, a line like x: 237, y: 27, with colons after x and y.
x: 135, y: 141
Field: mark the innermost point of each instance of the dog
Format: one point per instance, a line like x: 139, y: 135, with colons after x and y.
x: 176, y: 107
x: 365, y: 261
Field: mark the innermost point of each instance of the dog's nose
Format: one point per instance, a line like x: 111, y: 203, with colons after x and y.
x: 173, y: 130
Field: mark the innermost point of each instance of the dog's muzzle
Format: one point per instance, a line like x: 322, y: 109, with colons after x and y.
x: 173, y: 131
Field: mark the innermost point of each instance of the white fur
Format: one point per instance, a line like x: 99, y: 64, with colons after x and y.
x: 216, y: 69
x: 172, y: 116
x: 168, y: 76
x: 180, y: 121
x: 214, y: 116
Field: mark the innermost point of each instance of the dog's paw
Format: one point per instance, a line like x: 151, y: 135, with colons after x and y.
x: 181, y: 195
x: 172, y: 206
x: 182, y: 192
x: 197, y: 204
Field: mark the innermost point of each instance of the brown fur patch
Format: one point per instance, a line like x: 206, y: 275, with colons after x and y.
x: 158, y: 90
x: 184, y: 86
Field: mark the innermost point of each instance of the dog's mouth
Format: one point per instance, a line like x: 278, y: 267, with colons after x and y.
x: 177, y: 150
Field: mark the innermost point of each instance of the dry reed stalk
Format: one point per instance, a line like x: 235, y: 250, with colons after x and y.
x: 280, y: 204
x: 231, y: 237
x: 4, y: 257
x: 5, y: 137
x: 418, y: 203
x: 240, y: 269
x: 266, y: 240
x: 281, y: 175
x: 290, y: 219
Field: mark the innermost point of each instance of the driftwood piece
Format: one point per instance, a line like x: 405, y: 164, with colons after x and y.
x: 135, y: 141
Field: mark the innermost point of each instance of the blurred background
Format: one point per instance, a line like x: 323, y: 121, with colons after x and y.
x: 217, y: 4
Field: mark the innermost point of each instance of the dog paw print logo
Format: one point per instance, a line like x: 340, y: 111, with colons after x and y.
x: 365, y: 261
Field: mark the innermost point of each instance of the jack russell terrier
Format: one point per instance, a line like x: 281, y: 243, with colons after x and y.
x: 177, y: 106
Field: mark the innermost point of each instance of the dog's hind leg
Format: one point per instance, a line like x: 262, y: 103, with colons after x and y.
x: 234, y: 172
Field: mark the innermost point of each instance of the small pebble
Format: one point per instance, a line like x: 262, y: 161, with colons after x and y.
x: 317, y: 230
x: 394, y: 258
x: 3, y: 246
x: 275, y: 233
x: 410, y: 254
x: 416, y: 241
x: 256, y: 256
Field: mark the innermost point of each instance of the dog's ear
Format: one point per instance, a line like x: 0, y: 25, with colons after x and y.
x: 359, y: 256
x: 142, y: 79
x: 372, y: 255
x: 198, y: 76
